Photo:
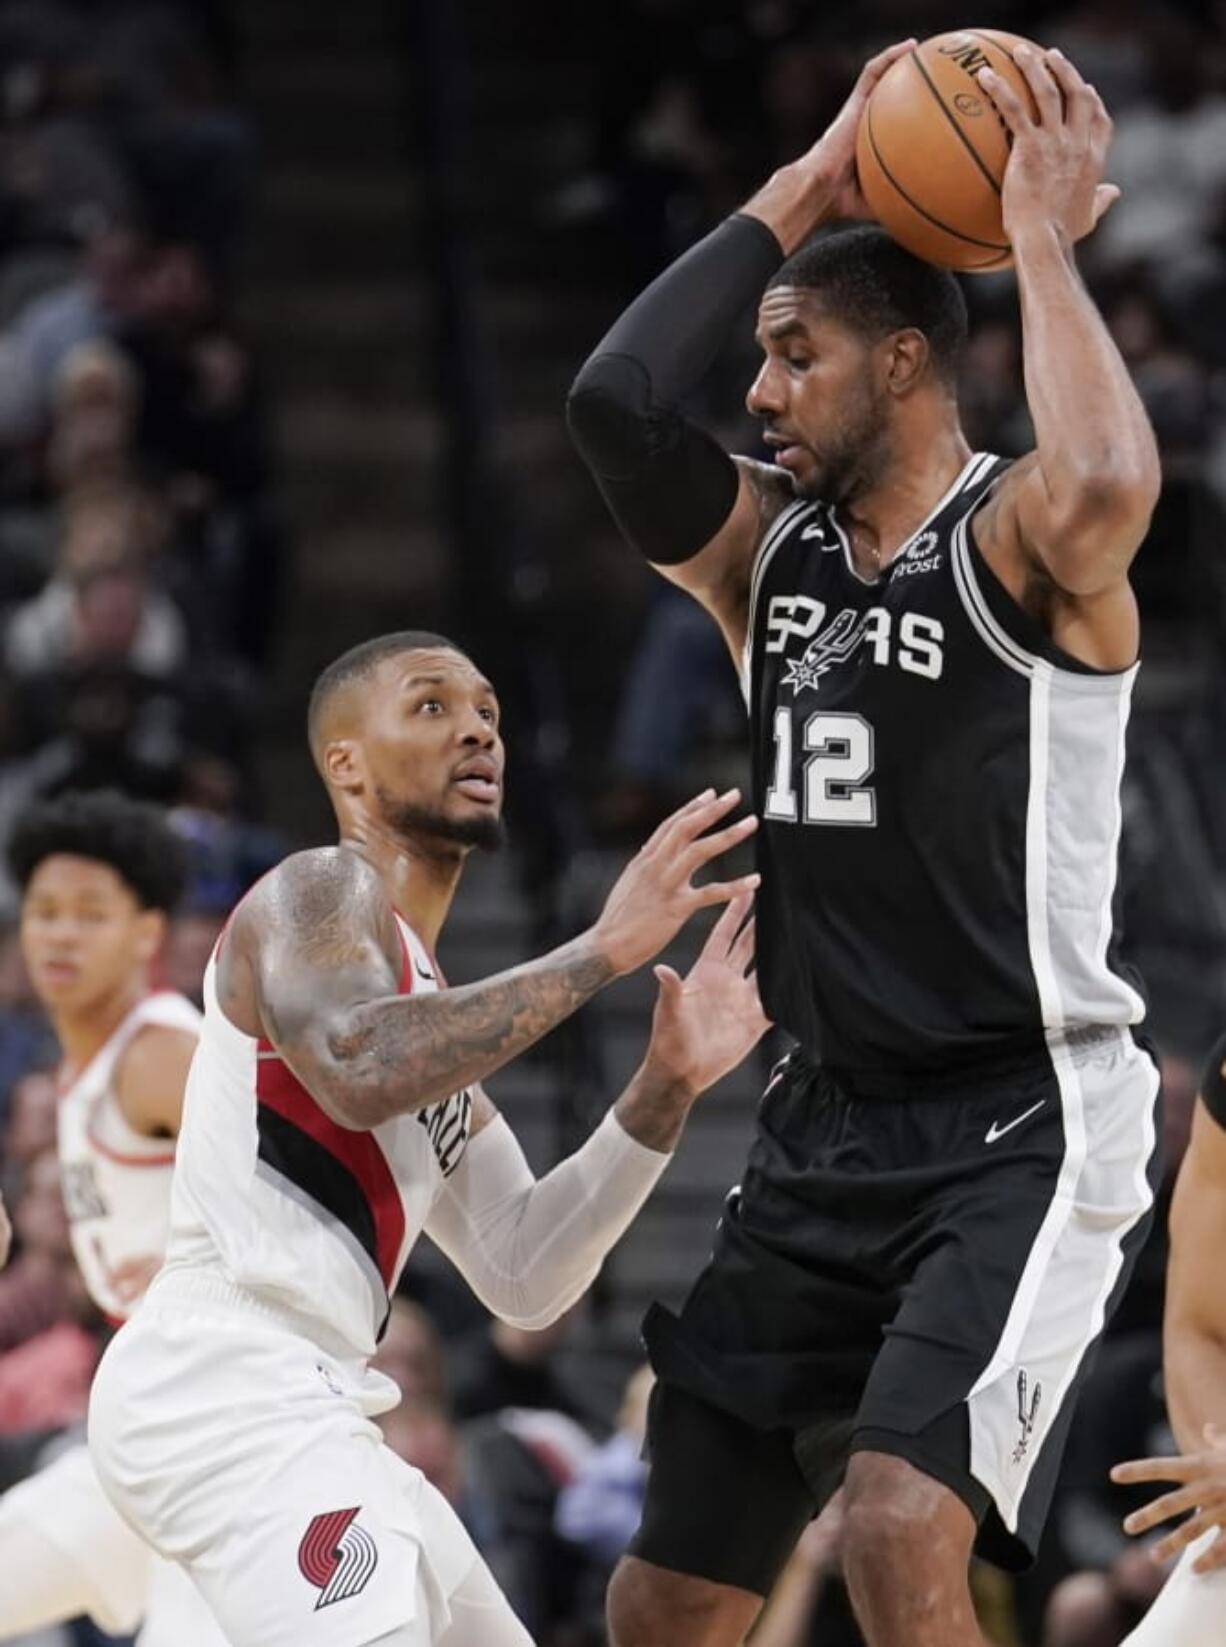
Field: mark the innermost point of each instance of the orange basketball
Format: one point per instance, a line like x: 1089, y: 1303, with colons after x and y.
x: 931, y: 149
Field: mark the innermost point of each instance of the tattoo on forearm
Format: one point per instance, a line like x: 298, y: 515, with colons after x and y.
x: 410, y: 1051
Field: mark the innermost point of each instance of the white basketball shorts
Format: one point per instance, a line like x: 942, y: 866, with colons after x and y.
x: 83, y: 1557
x: 242, y: 1450
x: 1191, y: 1607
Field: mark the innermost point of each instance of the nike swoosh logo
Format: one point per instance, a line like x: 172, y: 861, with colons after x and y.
x: 428, y: 976
x: 994, y: 1132
x: 813, y: 532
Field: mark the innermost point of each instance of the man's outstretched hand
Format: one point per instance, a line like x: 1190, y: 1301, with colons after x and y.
x: 655, y: 894
x: 1202, y: 1488
x: 705, y: 1023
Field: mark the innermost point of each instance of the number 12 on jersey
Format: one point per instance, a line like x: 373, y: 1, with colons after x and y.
x: 840, y: 750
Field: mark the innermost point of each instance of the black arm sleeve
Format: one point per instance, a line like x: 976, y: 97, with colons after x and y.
x: 1213, y: 1083
x: 669, y: 485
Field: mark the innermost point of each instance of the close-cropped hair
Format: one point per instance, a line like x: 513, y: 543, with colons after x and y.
x: 869, y: 283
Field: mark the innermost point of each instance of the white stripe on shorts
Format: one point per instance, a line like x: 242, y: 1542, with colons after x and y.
x: 1107, y: 1089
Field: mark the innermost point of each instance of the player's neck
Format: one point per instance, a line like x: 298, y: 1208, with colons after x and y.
x: 420, y: 883
x: 82, y: 1035
x: 918, y: 476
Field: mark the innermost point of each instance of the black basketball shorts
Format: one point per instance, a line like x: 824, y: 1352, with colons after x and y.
x: 922, y: 1276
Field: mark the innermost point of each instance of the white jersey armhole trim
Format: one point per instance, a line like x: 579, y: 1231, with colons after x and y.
x: 997, y: 639
x: 790, y: 517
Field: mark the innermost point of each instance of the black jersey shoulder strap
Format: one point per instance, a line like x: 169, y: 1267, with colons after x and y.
x: 1017, y: 637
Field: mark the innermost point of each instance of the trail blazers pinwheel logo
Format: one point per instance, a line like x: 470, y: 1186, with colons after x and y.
x: 337, y: 1556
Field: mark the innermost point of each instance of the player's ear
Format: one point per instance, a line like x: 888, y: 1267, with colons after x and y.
x: 906, y: 360
x: 343, y: 765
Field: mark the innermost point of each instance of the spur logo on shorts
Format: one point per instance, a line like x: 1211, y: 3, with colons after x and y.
x: 337, y: 1556
x: 1026, y: 1415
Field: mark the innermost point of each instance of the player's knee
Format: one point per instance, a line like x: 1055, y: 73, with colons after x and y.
x: 631, y: 1605
x: 648, y: 1606
x: 895, y: 1518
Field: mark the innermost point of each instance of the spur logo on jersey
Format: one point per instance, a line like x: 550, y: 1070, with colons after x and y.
x: 337, y: 1556
x: 915, y: 643
x: 447, y: 1125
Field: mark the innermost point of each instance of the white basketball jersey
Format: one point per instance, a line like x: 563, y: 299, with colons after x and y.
x: 276, y: 1197
x: 117, y: 1181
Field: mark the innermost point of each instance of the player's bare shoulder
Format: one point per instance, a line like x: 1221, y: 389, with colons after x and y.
x: 323, y: 910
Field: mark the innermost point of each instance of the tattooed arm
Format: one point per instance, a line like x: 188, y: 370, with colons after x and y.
x: 315, y: 959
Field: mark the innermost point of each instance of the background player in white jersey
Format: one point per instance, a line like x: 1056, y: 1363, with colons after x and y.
x: 333, y: 1113
x: 99, y: 874
x: 1191, y: 1609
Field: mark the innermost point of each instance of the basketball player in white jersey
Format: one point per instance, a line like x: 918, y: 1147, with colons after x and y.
x: 98, y: 875
x: 1191, y: 1608
x: 334, y: 1112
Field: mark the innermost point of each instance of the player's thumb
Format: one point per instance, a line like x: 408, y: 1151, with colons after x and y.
x: 669, y: 982
x: 1105, y: 196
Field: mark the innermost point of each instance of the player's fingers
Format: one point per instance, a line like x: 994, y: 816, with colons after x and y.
x: 1174, y: 1543
x: 1155, y: 1469
x: 723, y: 933
x: 1163, y: 1509
x: 677, y: 818
x: 684, y: 828
x: 723, y: 840
x: 720, y: 892
x: 877, y: 66
x: 1008, y: 104
x: 1044, y: 87
x: 670, y: 982
x: 742, y: 952
x: 1105, y: 196
x: 1079, y: 98
x: 1210, y: 1560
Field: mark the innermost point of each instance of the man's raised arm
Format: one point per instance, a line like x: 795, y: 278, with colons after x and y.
x: 697, y: 514
x: 319, y: 941
x: 1064, y: 524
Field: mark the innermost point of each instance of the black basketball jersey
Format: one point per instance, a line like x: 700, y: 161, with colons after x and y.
x: 939, y: 790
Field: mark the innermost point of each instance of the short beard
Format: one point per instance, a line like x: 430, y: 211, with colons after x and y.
x: 485, y: 832
x: 862, y: 456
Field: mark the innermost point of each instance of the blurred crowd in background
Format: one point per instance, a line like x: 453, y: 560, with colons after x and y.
x: 143, y: 561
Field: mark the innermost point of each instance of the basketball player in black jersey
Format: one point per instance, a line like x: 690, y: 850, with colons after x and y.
x: 952, y: 1170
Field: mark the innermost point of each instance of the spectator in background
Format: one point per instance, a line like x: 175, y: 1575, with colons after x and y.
x: 1172, y: 381
x: 600, y: 1509
x: 102, y: 605
x: 40, y: 1288
x: 103, y: 298
x: 504, y: 1366
x: 94, y: 419
x: 26, y: 1042
x: 411, y: 1354
x: 31, y: 1128
x: 1168, y: 155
